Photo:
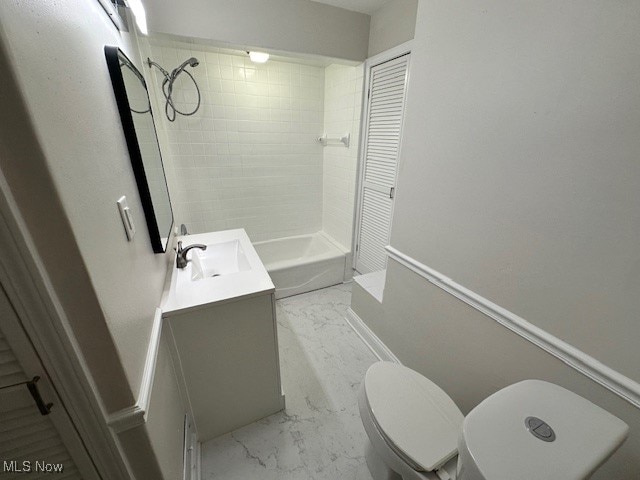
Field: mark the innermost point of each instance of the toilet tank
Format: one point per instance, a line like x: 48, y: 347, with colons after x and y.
x: 536, y: 430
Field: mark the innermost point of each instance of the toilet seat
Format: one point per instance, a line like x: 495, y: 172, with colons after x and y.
x: 417, y: 419
x: 531, y: 429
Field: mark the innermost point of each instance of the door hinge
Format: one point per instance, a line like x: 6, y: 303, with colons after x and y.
x: 357, y: 247
x: 392, y: 192
x: 368, y: 94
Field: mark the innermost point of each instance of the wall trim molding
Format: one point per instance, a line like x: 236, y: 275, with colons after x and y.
x: 390, y: 54
x: 136, y: 415
x: 612, y: 380
x: 370, y: 339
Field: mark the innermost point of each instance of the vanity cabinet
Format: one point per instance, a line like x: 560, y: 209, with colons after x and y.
x: 220, y: 315
x: 227, y: 357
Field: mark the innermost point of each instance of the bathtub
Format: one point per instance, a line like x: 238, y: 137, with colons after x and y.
x: 302, y: 263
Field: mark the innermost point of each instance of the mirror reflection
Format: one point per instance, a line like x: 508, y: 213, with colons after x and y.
x: 137, y: 120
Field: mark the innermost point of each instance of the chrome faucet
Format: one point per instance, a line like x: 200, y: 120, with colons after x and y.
x: 181, y: 258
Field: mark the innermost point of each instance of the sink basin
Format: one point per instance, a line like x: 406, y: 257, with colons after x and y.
x: 229, y: 269
x: 218, y: 259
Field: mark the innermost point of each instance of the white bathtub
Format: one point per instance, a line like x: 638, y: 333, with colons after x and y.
x: 302, y: 263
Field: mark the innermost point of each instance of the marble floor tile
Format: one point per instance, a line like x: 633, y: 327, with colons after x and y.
x: 319, y: 435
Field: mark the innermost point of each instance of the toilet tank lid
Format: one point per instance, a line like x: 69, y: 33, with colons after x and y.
x: 415, y: 415
x: 535, y: 429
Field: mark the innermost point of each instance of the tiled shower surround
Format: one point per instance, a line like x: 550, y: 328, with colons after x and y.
x: 342, y: 112
x: 249, y: 157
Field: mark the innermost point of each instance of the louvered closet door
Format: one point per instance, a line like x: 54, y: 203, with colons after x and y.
x: 25, y: 434
x: 387, y: 89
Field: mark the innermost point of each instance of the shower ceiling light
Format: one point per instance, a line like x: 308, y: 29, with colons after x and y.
x: 141, y: 16
x: 258, y: 57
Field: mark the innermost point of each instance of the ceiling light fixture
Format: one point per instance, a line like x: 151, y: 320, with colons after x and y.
x: 258, y: 57
x: 141, y: 17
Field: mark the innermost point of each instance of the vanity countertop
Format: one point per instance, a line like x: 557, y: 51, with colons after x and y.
x: 184, y: 294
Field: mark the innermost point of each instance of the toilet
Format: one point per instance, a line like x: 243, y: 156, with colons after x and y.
x: 529, y: 430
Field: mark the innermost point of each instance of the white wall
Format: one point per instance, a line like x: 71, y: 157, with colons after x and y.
x: 519, y: 174
x: 519, y: 179
x: 286, y: 25
x: 65, y: 158
x: 471, y: 356
x: 248, y: 158
x: 165, y: 423
x: 342, y: 111
x: 392, y: 25
x: 76, y: 119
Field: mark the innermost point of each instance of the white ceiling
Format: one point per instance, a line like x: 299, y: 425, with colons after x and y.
x: 363, y: 6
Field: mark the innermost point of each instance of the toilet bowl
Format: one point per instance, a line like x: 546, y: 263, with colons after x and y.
x: 529, y: 430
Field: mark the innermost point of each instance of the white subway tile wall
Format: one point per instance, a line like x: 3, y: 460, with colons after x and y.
x: 249, y: 157
x: 342, y: 112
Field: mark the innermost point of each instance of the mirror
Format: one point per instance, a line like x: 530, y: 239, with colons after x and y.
x: 111, y: 7
x: 139, y: 129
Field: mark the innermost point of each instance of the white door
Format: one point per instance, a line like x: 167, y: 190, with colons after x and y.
x: 383, y: 130
x: 33, y: 445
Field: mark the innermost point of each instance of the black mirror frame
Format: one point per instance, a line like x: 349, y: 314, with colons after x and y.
x: 119, y: 89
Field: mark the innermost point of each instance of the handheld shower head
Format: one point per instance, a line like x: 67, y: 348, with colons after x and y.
x: 167, y: 85
x: 192, y: 62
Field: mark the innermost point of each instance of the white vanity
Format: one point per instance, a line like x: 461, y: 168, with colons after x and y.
x: 219, y: 313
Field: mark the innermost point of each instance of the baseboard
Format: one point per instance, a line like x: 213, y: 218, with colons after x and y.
x: 369, y: 338
x: 612, y: 380
x: 136, y: 415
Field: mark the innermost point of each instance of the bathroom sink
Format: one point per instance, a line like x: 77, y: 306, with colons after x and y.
x: 228, y: 269
x: 218, y: 259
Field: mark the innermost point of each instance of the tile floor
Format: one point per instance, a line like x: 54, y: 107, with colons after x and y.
x: 319, y: 436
